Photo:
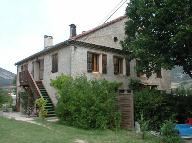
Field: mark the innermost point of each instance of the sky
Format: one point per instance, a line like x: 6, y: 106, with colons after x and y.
x: 25, y: 22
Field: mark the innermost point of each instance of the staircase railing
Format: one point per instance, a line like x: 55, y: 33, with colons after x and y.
x: 26, y: 79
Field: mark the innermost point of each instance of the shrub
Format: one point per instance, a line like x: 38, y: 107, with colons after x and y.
x: 169, y: 133
x: 144, y: 125
x: 5, y: 98
x: 87, y: 103
x: 154, y: 107
x: 24, y: 100
x: 42, y: 112
x: 134, y: 84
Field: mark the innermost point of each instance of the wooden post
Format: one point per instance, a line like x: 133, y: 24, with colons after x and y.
x: 126, y: 108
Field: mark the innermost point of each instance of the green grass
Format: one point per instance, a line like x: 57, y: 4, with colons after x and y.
x: 12, y: 131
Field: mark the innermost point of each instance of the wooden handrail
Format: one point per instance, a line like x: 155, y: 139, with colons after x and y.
x: 26, y: 79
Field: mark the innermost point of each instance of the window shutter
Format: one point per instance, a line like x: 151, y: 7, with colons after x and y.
x: 115, y: 63
x: 120, y: 63
x: 54, y: 63
x: 89, y: 62
x: 104, y: 63
x: 41, y: 68
x: 158, y: 73
x: 22, y: 68
x: 128, y: 72
x: 138, y: 64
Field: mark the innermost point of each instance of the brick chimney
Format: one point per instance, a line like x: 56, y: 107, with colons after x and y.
x: 48, y: 41
x: 72, y: 30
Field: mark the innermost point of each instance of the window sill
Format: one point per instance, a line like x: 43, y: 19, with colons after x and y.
x: 120, y: 75
x: 96, y: 72
x: 54, y: 72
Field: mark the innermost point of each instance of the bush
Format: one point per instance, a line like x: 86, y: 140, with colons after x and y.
x: 24, y: 100
x: 169, y: 133
x: 5, y: 98
x: 144, y: 125
x: 134, y: 84
x: 87, y: 103
x: 154, y: 107
x: 42, y: 112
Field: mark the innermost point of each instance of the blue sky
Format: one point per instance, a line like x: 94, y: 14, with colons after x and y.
x: 25, y: 22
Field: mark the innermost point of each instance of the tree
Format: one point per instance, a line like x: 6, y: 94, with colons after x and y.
x: 159, y: 34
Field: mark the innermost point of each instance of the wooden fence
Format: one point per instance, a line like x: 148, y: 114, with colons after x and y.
x: 126, y: 108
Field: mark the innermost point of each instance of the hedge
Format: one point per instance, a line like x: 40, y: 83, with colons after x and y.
x: 87, y: 103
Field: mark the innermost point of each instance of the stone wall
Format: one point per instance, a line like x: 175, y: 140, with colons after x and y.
x: 105, y: 36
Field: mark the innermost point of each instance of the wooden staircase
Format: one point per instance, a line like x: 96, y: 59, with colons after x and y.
x: 37, y: 89
x: 49, y: 106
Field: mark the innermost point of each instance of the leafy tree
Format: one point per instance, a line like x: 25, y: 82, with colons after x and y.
x: 159, y: 33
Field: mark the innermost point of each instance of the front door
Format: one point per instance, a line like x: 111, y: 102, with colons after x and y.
x: 41, y: 68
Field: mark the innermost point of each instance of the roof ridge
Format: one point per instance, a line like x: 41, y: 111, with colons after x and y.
x: 98, y: 28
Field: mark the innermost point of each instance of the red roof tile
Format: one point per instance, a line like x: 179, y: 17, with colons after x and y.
x: 98, y: 28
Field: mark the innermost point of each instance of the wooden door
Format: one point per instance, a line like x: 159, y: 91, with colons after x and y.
x: 41, y: 68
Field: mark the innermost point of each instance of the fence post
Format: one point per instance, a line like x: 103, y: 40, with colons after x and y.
x: 126, y: 108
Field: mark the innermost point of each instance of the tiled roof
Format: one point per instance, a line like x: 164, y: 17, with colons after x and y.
x: 74, y: 41
x: 68, y: 43
x: 98, y: 28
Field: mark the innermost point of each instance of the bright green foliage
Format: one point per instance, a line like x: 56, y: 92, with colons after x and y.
x: 12, y: 131
x: 159, y: 33
x: 169, y: 133
x: 87, y: 103
x: 42, y: 112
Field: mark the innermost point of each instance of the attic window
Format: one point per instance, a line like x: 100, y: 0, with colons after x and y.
x: 115, y: 39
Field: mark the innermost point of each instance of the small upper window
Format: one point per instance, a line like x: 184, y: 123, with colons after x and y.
x: 118, y: 65
x: 115, y: 39
x: 92, y: 62
x: 54, y: 63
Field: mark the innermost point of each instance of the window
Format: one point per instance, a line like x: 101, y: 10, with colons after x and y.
x: 104, y: 64
x: 128, y: 72
x: 118, y: 65
x: 54, y: 63
x: 41, y: 68
x: 24, y: 67
x: 32, y: 71
x: 115, y: 39
x: 158, y: 74
x: 92, y: 62
x: 138, y: 64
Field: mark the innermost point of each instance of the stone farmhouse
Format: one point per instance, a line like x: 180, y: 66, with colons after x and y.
x: 97, y: 53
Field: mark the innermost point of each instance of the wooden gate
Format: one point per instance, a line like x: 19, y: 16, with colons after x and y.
x: 126, y: 108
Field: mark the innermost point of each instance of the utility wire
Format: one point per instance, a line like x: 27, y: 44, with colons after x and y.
x: 112, y: 10
x: 116, y: 10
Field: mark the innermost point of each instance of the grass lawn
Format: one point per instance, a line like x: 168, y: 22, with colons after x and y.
x: 12, y: 131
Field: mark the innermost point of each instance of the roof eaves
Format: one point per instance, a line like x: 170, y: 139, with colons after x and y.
x: 52, y: 48
x: 67, y: 43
